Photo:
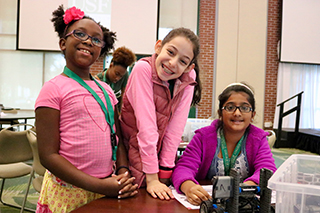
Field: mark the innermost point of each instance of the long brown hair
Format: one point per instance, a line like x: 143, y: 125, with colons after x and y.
x: 187, y: 33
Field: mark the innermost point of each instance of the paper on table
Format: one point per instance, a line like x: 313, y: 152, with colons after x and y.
x: 183, y: 200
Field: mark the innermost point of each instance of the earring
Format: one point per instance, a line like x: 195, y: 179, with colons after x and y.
x: 251, y: 119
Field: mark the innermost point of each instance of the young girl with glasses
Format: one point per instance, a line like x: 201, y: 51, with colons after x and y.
x: 76, y: 122
x: 229, y: 142
x: 155, y: 109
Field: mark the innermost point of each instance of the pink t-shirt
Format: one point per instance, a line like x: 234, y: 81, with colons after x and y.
x: 84, y: 131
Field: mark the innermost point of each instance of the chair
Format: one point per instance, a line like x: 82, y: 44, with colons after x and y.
x: 14, y: 151
x: 271, y: 138
x: 37, y: 167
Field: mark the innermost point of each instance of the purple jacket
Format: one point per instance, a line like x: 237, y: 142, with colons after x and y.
x: 196, y: 160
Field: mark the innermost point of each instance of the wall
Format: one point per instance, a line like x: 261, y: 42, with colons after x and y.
x: 24, y: 72
x: 178, y: 13
x: 240, y: 49
x: 207, y: 37
x: 207, y: 46
x: 274, y: 26
x: 207, y: 24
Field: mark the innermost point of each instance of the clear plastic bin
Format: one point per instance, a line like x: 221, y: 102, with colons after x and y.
x: 192, y: 125
x: 297, y: 185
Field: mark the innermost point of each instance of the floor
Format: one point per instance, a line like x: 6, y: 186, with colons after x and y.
x: 15, y: 190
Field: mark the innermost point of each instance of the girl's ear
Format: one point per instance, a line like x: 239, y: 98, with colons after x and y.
x: 62, y: 44
x: 189, y: 68
x: 253, y: 114
x: 157, y: 47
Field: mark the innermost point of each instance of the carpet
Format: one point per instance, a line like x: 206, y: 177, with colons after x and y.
x: 282, y: 154
x: 14, y: 192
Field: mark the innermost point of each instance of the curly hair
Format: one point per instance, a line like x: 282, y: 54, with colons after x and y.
x: 123, y: 56
x: 61, y: 28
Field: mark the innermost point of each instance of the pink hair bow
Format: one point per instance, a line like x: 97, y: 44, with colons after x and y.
x: 71, y: 14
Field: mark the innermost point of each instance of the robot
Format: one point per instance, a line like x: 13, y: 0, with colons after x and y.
x: 231, y: 196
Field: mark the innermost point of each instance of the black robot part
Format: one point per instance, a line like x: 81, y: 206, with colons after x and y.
x: 231, y: 196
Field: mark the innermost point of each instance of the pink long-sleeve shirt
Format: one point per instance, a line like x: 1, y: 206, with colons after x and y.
x: 140, y: 95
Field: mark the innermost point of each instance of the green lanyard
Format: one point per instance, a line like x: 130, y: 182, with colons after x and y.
x: 229, y: 162
x: 109, y: 114
x: 104, y: 76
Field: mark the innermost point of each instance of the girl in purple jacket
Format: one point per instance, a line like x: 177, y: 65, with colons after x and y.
x: 229, y: 142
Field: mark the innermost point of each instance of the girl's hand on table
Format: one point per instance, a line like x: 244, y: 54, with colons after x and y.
x: 195, y: 193
x: 159, y: 190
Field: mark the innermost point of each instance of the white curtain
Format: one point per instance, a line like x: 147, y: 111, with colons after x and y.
x: 293, y: 79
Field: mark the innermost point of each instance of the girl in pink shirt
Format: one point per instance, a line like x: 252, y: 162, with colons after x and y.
x: 155, y: 108
x: 76, y: 120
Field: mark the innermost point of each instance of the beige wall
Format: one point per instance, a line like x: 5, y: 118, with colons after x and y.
x: 241, y: 33
x: 179, y: 13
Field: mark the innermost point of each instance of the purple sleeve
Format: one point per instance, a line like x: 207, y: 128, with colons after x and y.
x: 189, y: 163
x: 262, y: 159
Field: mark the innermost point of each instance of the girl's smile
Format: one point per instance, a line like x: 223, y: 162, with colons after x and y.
x: 174, y: 58
x: 85, y: 51
x: 237, y: 121
x: 167, y: 70
x: 80, y: 54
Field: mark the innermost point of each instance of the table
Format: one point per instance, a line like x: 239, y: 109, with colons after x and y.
x: 142, y: 202
x: 11, y: 115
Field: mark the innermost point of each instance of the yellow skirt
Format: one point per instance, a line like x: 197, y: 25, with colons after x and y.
x: 59, y: 196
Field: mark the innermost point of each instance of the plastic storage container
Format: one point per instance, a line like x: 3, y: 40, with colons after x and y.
x: 297, y: 185
x: 192, y: 125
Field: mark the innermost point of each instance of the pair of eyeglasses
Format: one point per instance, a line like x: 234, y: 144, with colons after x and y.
x: 232, y: 108
x: 84, y: 36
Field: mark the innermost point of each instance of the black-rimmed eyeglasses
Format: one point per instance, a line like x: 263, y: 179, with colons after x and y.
x: 84, y: 36
x: 232, y: 108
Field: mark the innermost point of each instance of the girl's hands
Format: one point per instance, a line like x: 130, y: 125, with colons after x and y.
x: 120, y: 186
x: 195, y: 193
x: 125, y: 182
x: 250, y: 183
x: 157, y: 189
x: 160, y: 190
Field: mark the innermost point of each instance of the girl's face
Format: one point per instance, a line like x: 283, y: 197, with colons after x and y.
x: 237, y: 121
x: 115, y: 72
x: 81, y: 54
x: 174, y: 58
